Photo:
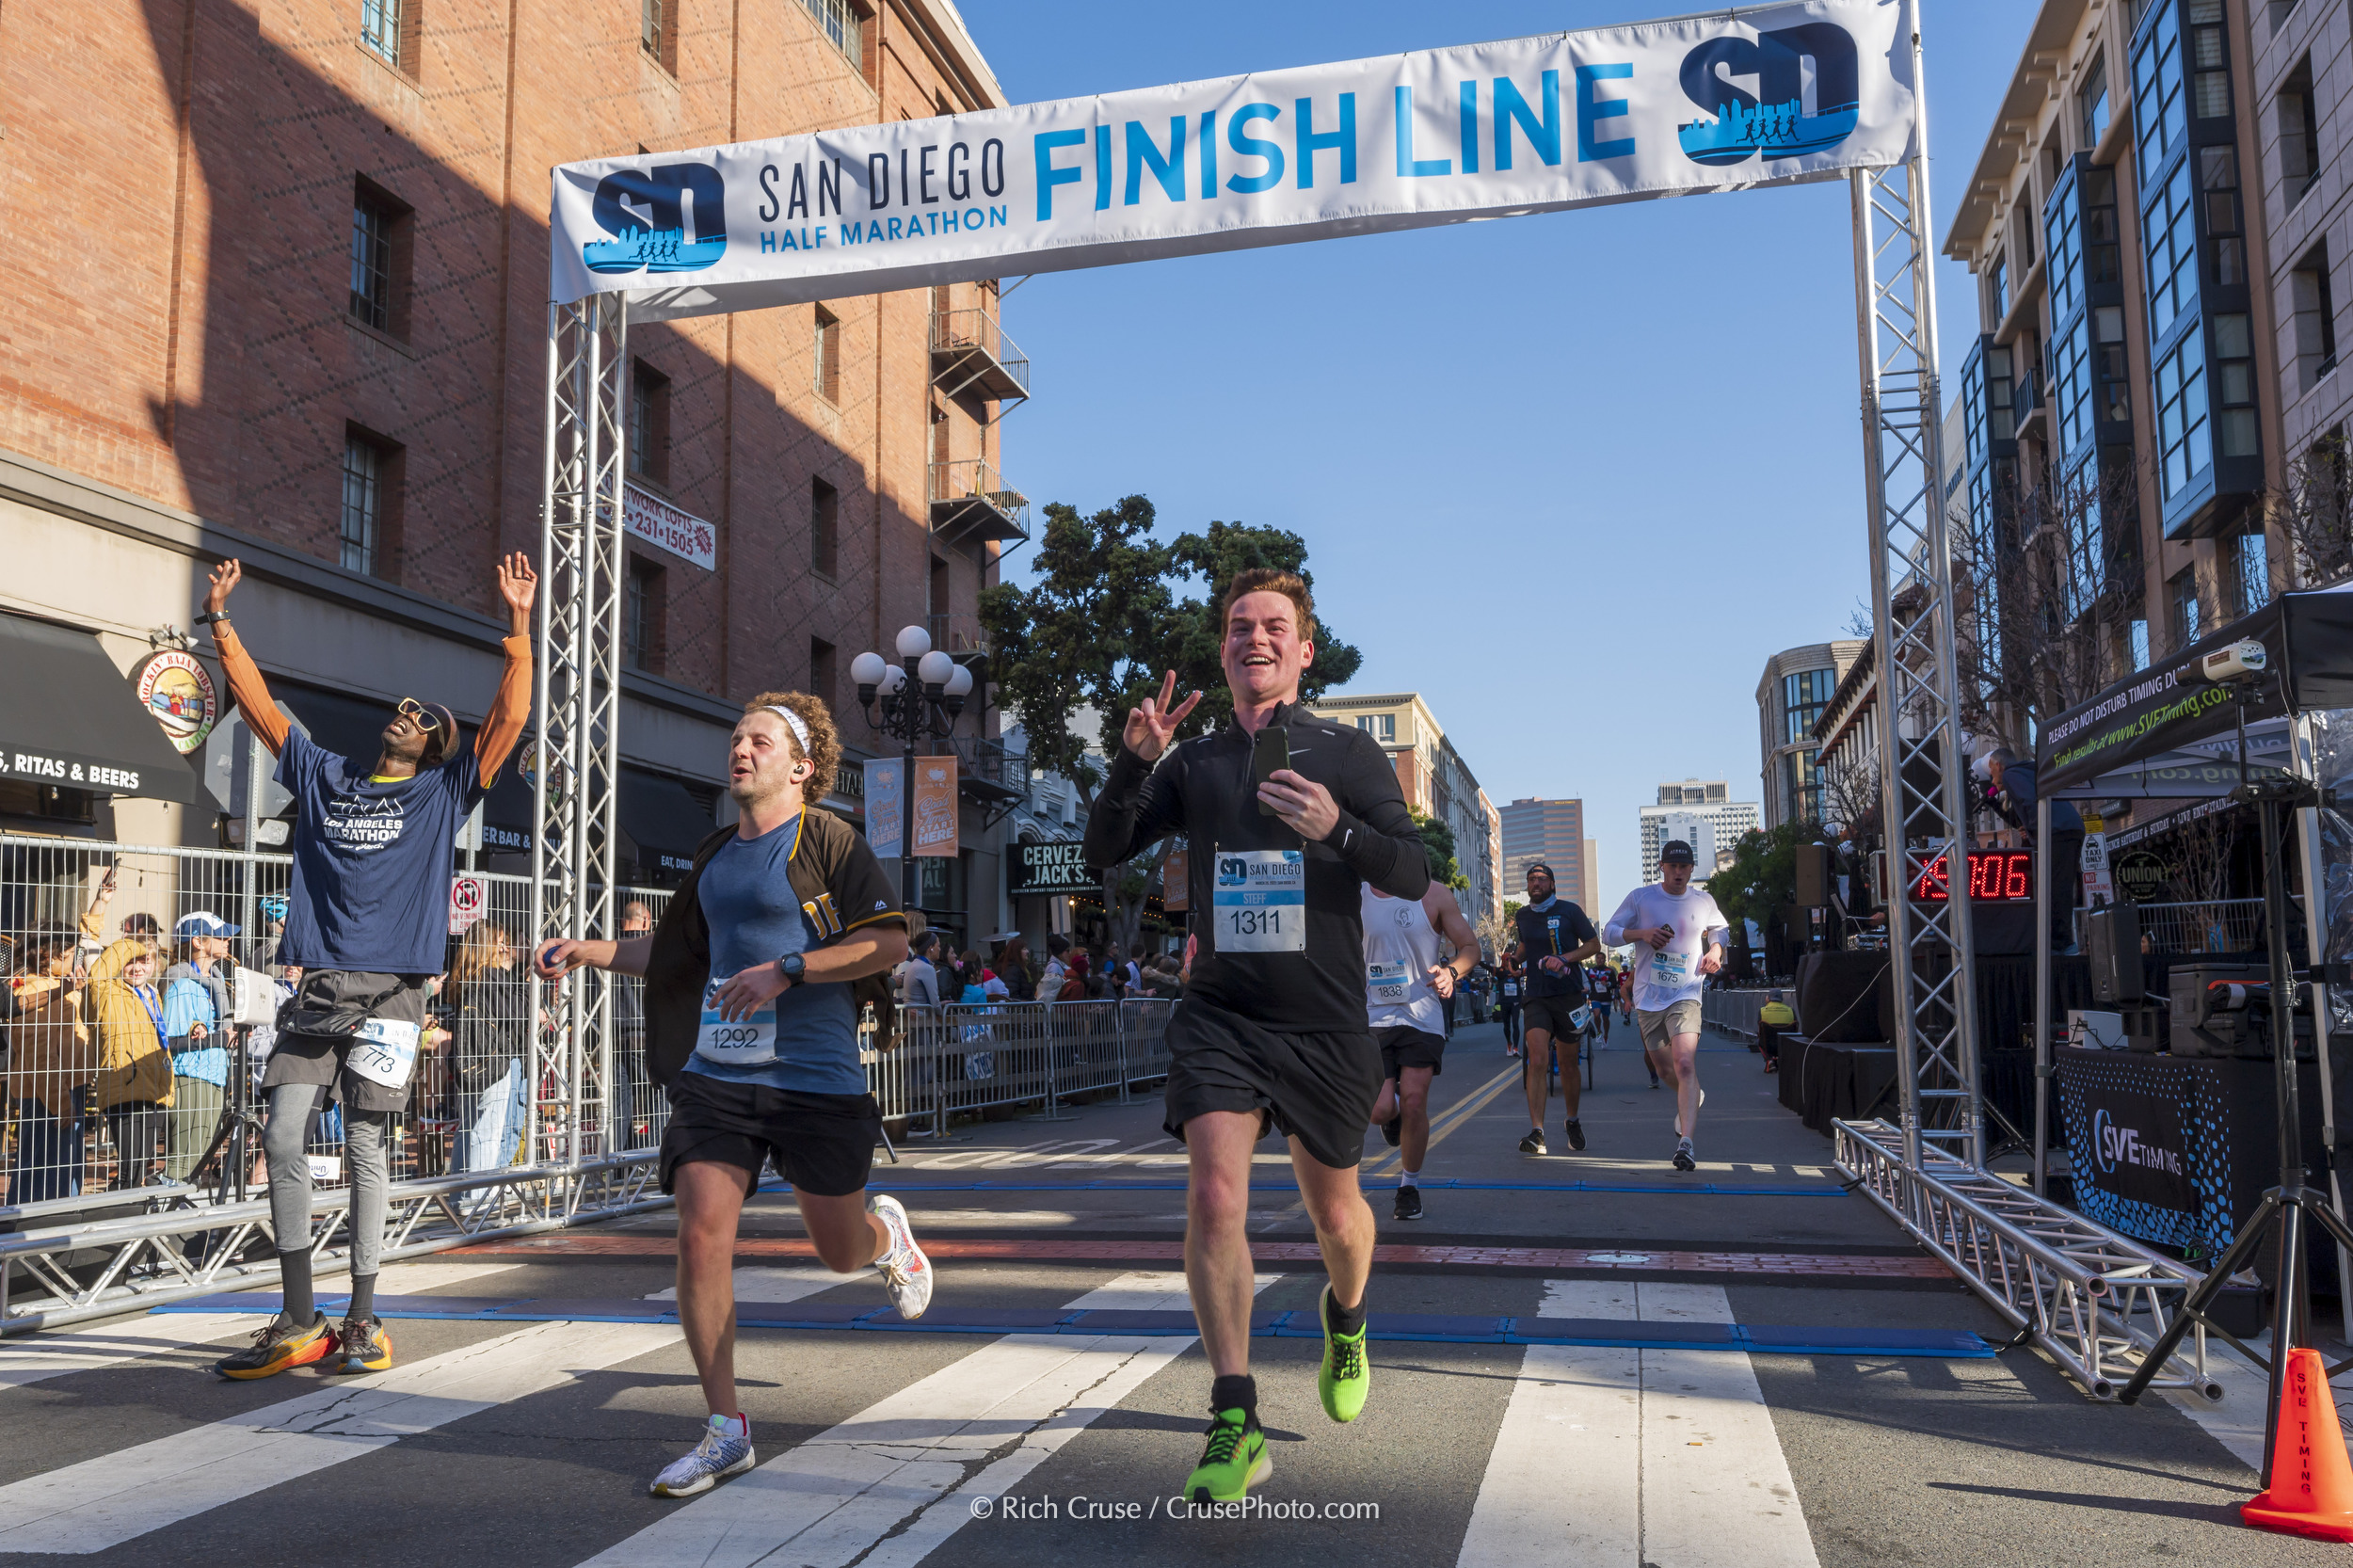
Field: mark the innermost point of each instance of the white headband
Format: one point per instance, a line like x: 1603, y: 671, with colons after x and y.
x: 798, y: 725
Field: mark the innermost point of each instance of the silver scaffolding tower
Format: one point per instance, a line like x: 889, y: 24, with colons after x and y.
x: 575, y: 751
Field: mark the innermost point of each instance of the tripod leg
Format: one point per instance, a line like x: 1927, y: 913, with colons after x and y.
x: 2242, y: 1248
x: 2286, y: 1318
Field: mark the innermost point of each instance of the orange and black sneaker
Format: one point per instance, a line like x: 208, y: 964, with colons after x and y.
x: 366, y: 1348
x: 277, y: 1345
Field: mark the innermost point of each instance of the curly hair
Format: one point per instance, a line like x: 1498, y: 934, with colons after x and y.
x: 825, y: 740
x: 1269, y: 580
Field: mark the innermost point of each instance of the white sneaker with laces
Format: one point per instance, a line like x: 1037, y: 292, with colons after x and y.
x: 724, y: 1451
x: 907, y: 1273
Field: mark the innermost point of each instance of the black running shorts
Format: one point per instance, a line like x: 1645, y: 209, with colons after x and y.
x: 1317, y: 1088
x: 1409, y: 1048
x: 822, y: 1143
x: 1552, y: 1016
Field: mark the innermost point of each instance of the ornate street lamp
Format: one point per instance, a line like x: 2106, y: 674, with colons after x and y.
x: 918, y: 698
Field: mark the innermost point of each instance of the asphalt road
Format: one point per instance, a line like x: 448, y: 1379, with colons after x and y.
x: 530, y: 1443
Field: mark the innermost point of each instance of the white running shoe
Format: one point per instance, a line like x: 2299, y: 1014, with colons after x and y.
x: 722, y: 1452
x: 907, y: 1273
x: 1679, y: 1132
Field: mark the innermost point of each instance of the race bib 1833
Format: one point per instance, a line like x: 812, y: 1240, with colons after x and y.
x: 1386, y: 984
x: 1260, y: 899
x: 742, y: 1043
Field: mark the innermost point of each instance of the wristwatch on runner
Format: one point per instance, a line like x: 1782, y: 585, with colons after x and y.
x: 790, y: 965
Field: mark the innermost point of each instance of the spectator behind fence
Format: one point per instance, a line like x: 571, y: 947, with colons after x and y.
x: 974, y: 986
x: 491, y: 1004
x: 199, y: 993
x: 633, y: 1116
x: 918, y: 980
x: 52, y: 1061
x: 1161, y: 980
x: 133, y: 1061
x: 1013, y: 967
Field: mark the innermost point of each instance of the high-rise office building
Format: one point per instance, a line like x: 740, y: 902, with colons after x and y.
x: 1552, y: 831
x: 1702, y: 813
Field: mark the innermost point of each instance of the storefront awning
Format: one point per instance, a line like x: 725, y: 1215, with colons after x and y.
x: 664, y: 820
x: 68, y: 719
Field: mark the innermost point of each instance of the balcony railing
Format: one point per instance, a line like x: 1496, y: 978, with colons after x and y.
x: 958, y: 632
x: 971, y: 497
x: 991, y: 775
x: 970, y: 353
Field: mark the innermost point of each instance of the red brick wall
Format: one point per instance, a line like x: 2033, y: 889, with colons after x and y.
x: 180, y: 175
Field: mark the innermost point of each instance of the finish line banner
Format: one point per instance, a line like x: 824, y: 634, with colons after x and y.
x: 1768, y: 95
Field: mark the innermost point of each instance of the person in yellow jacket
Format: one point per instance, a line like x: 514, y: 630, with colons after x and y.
x: 134, y: 1082
x: 52, y: 1059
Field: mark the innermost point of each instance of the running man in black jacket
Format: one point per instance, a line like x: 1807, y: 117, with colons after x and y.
x: 1272, y: 1030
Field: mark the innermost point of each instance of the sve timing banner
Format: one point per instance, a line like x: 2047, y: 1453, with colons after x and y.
x: 1767, y: 95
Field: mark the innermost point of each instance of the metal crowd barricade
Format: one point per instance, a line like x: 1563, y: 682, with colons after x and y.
x: 1731, y: 1012
x: 959, y: 1059
x: 111, y: 1188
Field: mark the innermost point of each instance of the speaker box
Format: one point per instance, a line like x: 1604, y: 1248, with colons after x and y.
x: 1814, y: 876
x: 1847, y: 997
x: 2112, y: 941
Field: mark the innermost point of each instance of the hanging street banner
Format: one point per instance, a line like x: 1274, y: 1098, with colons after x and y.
x: 886, y: 806
x: 935, y: 806
x: 1774, y: 94
x: 647, y: 517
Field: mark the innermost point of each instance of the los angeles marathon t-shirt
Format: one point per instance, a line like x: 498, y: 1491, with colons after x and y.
x: 1554, y: 926
x: 372, y: 862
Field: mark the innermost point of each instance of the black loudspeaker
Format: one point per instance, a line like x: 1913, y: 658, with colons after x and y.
x: 2112, y: 939
x: 1846, y: 998
x: 1814, y: 877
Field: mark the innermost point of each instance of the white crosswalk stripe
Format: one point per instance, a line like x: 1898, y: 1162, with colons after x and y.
x: 1626, y: 1458
x: 103, y: 1503
x: 882, y: 1488
x: 39, y: 1359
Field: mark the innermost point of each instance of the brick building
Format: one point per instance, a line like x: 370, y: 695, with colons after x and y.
x: 280, y: 293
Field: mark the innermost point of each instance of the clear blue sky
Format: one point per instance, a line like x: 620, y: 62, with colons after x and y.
x: 1573, y: 477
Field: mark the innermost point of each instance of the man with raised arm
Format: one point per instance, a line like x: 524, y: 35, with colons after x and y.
x: 780, y: 935
x: 368, y: 924
x: 1272, y: 1030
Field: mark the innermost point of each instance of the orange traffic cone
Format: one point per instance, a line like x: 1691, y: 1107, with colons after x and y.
x: 2311, y: 1484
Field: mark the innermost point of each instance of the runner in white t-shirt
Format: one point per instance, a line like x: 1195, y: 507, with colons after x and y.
x: 1678, y: 936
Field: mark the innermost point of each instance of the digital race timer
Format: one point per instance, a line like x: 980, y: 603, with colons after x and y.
x: 1995, y: 876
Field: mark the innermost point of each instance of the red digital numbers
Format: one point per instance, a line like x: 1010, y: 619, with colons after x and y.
x: 1995, y: 876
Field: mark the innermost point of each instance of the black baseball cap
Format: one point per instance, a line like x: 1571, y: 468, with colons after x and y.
x: 1535, y: 866
x: 1675, y: 849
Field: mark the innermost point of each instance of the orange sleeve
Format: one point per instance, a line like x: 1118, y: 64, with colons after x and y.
x: 495, y: 741
x: 248, y: 689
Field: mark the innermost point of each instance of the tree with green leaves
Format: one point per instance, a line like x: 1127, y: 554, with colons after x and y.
x: 1437, y: 843
x: 1101, y: 625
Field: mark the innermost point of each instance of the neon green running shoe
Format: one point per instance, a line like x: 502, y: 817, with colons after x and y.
x: 1346, y: 1376
x: 1234, y: 1462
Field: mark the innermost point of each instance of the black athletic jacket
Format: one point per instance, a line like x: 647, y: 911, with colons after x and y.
x: 1204, y: 789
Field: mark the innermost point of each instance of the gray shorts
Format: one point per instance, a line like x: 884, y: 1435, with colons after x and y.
x: 300, y: 1058
x: 1660, y: 1028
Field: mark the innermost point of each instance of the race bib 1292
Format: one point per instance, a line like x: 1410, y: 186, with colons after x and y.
x: 742, y: 1043
x: 1260, y: 901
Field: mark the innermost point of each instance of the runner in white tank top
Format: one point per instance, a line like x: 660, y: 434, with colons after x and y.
x: 1406, y: 993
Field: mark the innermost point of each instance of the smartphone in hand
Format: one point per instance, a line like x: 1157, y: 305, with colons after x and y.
x: 1270, y: 753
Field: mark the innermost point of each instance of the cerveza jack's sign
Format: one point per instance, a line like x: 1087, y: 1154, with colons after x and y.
x: 1768, y: 95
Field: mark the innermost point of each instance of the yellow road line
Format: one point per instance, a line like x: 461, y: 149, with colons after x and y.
x: 1455, y: 1115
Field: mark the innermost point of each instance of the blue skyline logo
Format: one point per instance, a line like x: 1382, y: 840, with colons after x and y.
x: 1771, y: 119
x: 651, y: 213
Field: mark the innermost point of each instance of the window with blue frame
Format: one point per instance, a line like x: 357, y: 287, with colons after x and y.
x: 2071, y: 405
x: 2160, y: 119
x: 2234, y: 391
x: 1973, y: 410
x: 2183, y: 443
x: 2170, y: 233
x: 2094, y: 99
x: 2218, y: 183
x: 2001, y: 412
x: 2104, y: 259
x: 2063, y: 243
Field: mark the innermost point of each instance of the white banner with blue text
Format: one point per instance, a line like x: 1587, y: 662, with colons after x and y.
x: 1762, y: 95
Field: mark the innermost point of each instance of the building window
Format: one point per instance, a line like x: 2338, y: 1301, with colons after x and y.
x: 2169, y: 231
x: 657, y: 32
x: 2094, y: 101
x: 825, y: 523
x: 2218, y: 178
x: 2300, y: 132
x: 1803, y: 696
x: 380, y: 29
x: 839, y: 22
x: 821, y: 671
x: 2313, y: 300
x: 2071, y: 387
x: 1997, y: 287
x: 380, y: 256
x: 2188, y: 625
x: 2104, y: 261
x: 2159, y: 117
x: 1380, y: 727
x: 644, y: 597
x: 2251, y: 572
x: 2137, y: 645
x: 2063, y: 238
x: 2234, y: 385
x: 2211, y: 69
x: 2183, y: 446
x: 649, y: 424
x: 828, y: 356
x: 371, y: 504
x: 2114, y: 383
x: 2000, y: 396
x: 1801, y: 786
